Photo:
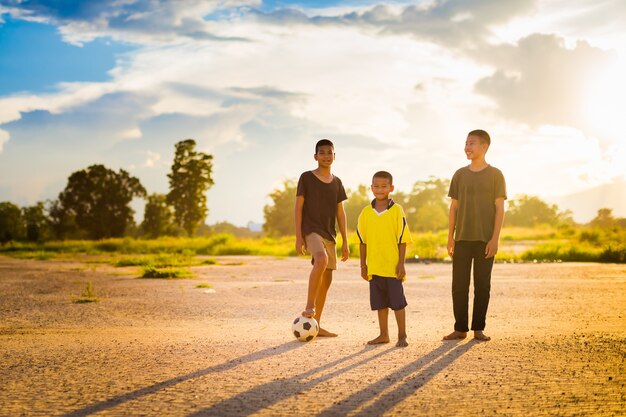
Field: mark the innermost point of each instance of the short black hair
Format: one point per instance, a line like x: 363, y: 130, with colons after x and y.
x: 384, y: 174
x: 323, y: 142
x: 481, y: 135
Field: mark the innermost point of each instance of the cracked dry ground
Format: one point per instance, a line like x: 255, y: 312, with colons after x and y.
x: 165, y: 347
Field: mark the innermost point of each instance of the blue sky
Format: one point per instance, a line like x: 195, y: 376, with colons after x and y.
x: 396, y: 84
x: 34, y: 57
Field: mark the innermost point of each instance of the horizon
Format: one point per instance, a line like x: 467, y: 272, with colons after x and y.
x: 395, y: 84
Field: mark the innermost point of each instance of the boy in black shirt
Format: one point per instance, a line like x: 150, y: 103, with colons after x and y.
x: 319, y: 202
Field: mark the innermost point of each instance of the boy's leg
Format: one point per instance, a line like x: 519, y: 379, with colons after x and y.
x: 482, y: 289
x: 397, y: 302
x: 320, y: 300
x: 401, y: 320
x: 320, y: 261
x: 461, y: 268
x: 379, y: 301
x: 383, y: 324
x: 324, y: 283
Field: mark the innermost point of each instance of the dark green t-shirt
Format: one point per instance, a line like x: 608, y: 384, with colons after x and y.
x: 476, y: 193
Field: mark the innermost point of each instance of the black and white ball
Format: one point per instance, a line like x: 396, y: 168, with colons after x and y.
x: 305, y: 329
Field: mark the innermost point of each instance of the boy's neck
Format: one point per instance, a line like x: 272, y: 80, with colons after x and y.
x: 322, y: 171
x: 381, y: 205
x: 478, y: 164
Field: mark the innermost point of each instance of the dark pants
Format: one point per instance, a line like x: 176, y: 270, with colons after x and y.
x: 464, y: 253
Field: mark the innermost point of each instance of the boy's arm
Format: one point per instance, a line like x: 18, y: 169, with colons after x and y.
x: 298, y: 216
x: 343, y: 229
x: 454, y: 206
x: 363, y: 255
x: 492, y: 246
x: 400, y: 270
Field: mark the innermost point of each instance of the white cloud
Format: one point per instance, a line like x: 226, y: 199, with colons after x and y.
x: 4, y: 138
x: 388, y: 84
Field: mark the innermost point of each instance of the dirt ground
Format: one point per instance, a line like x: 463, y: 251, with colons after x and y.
x: 164, y: 347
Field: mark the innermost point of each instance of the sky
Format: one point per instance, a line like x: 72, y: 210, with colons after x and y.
x: 396, y: 85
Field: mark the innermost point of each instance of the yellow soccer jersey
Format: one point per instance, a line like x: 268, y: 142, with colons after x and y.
x: 382, y: 233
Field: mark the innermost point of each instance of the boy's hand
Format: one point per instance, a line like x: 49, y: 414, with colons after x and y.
x: 451, y: 247
x: 400, y: 271
x: 364, y: 273
x: 300, y: 246
x: 345, y: 252
x: 491, y: 249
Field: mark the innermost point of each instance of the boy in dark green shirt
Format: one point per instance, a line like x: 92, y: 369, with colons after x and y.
x: 478, y: 192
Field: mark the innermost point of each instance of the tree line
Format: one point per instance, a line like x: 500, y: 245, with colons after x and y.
x: 426, y: 208
x: 95, y: 203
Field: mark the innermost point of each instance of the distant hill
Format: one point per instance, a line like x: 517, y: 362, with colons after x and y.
x: 585, y: 204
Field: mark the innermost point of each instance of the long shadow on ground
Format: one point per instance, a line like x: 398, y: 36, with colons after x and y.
x: 257, y: 398
x: 265, y: 395
x: 390, y: 398
x: 120, y: 399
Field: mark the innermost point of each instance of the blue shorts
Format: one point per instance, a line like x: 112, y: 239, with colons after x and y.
x: 386, y: 293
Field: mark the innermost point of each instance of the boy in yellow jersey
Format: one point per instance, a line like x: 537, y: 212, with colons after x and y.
x: 383, y: 233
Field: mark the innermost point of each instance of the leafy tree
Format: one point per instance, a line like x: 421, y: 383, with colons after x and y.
x: 11, y: 222
x: 354, y: 204
x: 189, y: 181
x: 98, y: 198
x: 62, y: 221
x: 604, y: 219
x: 279, y: 217
x: 530, y: 211
x: 427, y: 206
x: 158, y: 218
x: 37, y: 222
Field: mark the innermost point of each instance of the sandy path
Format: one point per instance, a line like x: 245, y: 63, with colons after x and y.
x: 159, y: 347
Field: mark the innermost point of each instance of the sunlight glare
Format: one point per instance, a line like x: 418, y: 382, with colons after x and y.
x: 605, y: 102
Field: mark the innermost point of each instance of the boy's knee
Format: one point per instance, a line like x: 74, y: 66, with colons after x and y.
x: 320, y: 259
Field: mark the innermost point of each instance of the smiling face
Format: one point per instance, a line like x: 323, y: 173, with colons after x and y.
x: 475, y: 148
x: 381, y: 187
x: 325, y: 156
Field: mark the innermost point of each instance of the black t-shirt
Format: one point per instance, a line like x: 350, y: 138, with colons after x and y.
x: 320, y: 204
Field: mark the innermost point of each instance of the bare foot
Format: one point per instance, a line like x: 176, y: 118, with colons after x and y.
x: 479, y: 335
x: 325, y: 333
x: 309, y: 313
x: 380, y: 339
x: 402, y: 342
x: 455, y: 336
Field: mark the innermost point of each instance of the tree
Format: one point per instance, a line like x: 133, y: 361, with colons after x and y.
x: 354, y: 204
x: 604, y: 219
x: 37, y: 222
x: 189, y: 181
x: 62, y: 221
x: 530, y: 211
x: 98, y: 199
x: 11, y: 222
x: 279, y: 217
x: 427, y: 206
x: 158, y: 218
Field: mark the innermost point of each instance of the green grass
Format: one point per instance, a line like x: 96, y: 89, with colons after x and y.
x: 167, y: 273
x: 88, y: 295
x: 37, y: 255
x: 167, y: 255
x: 204, y: 285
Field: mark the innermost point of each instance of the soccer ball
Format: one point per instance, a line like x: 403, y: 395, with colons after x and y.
x: 304, y: 328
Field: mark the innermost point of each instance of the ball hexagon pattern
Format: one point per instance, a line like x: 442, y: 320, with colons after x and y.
x: 305, y: 329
